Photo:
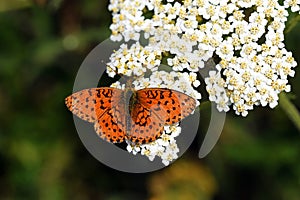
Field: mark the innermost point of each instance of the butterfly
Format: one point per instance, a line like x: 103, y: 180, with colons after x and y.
x: 138, y: 116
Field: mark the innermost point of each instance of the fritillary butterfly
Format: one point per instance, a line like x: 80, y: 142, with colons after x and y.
x: 138, y: 116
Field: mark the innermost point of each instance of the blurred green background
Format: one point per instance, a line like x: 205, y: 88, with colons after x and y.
x: 42, y: 44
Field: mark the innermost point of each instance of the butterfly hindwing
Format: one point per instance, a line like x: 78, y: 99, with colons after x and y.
x: 110, y: 127
x: 146, y: 126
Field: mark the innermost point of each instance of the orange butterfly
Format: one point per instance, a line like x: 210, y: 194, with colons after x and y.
x: 138, y: 116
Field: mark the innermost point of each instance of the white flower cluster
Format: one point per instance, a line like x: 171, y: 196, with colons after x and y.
x: 246, y: 35
x: 255, y: 65
x: 165, y: 146
x: 133, y: 60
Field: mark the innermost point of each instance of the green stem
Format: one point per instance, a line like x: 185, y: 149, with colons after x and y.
x: 284, y: 102
x: 291, y: 24
x: 290, y: 110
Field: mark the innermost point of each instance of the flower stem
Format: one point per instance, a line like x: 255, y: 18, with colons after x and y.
x: 290, y: 110
x: 291, y: 24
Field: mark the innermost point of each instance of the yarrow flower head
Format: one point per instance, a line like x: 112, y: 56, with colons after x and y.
x: 244, y: 36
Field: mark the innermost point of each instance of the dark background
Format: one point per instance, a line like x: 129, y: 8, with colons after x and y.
x: 42, y: 45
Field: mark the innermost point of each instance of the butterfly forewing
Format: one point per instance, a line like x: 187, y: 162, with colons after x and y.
x: 102, y: 106
x: 170, y: 105
x: 83, y: 104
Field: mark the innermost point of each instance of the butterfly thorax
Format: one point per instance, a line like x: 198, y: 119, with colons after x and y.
x: 130, y: 100
x: 130, y: 95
